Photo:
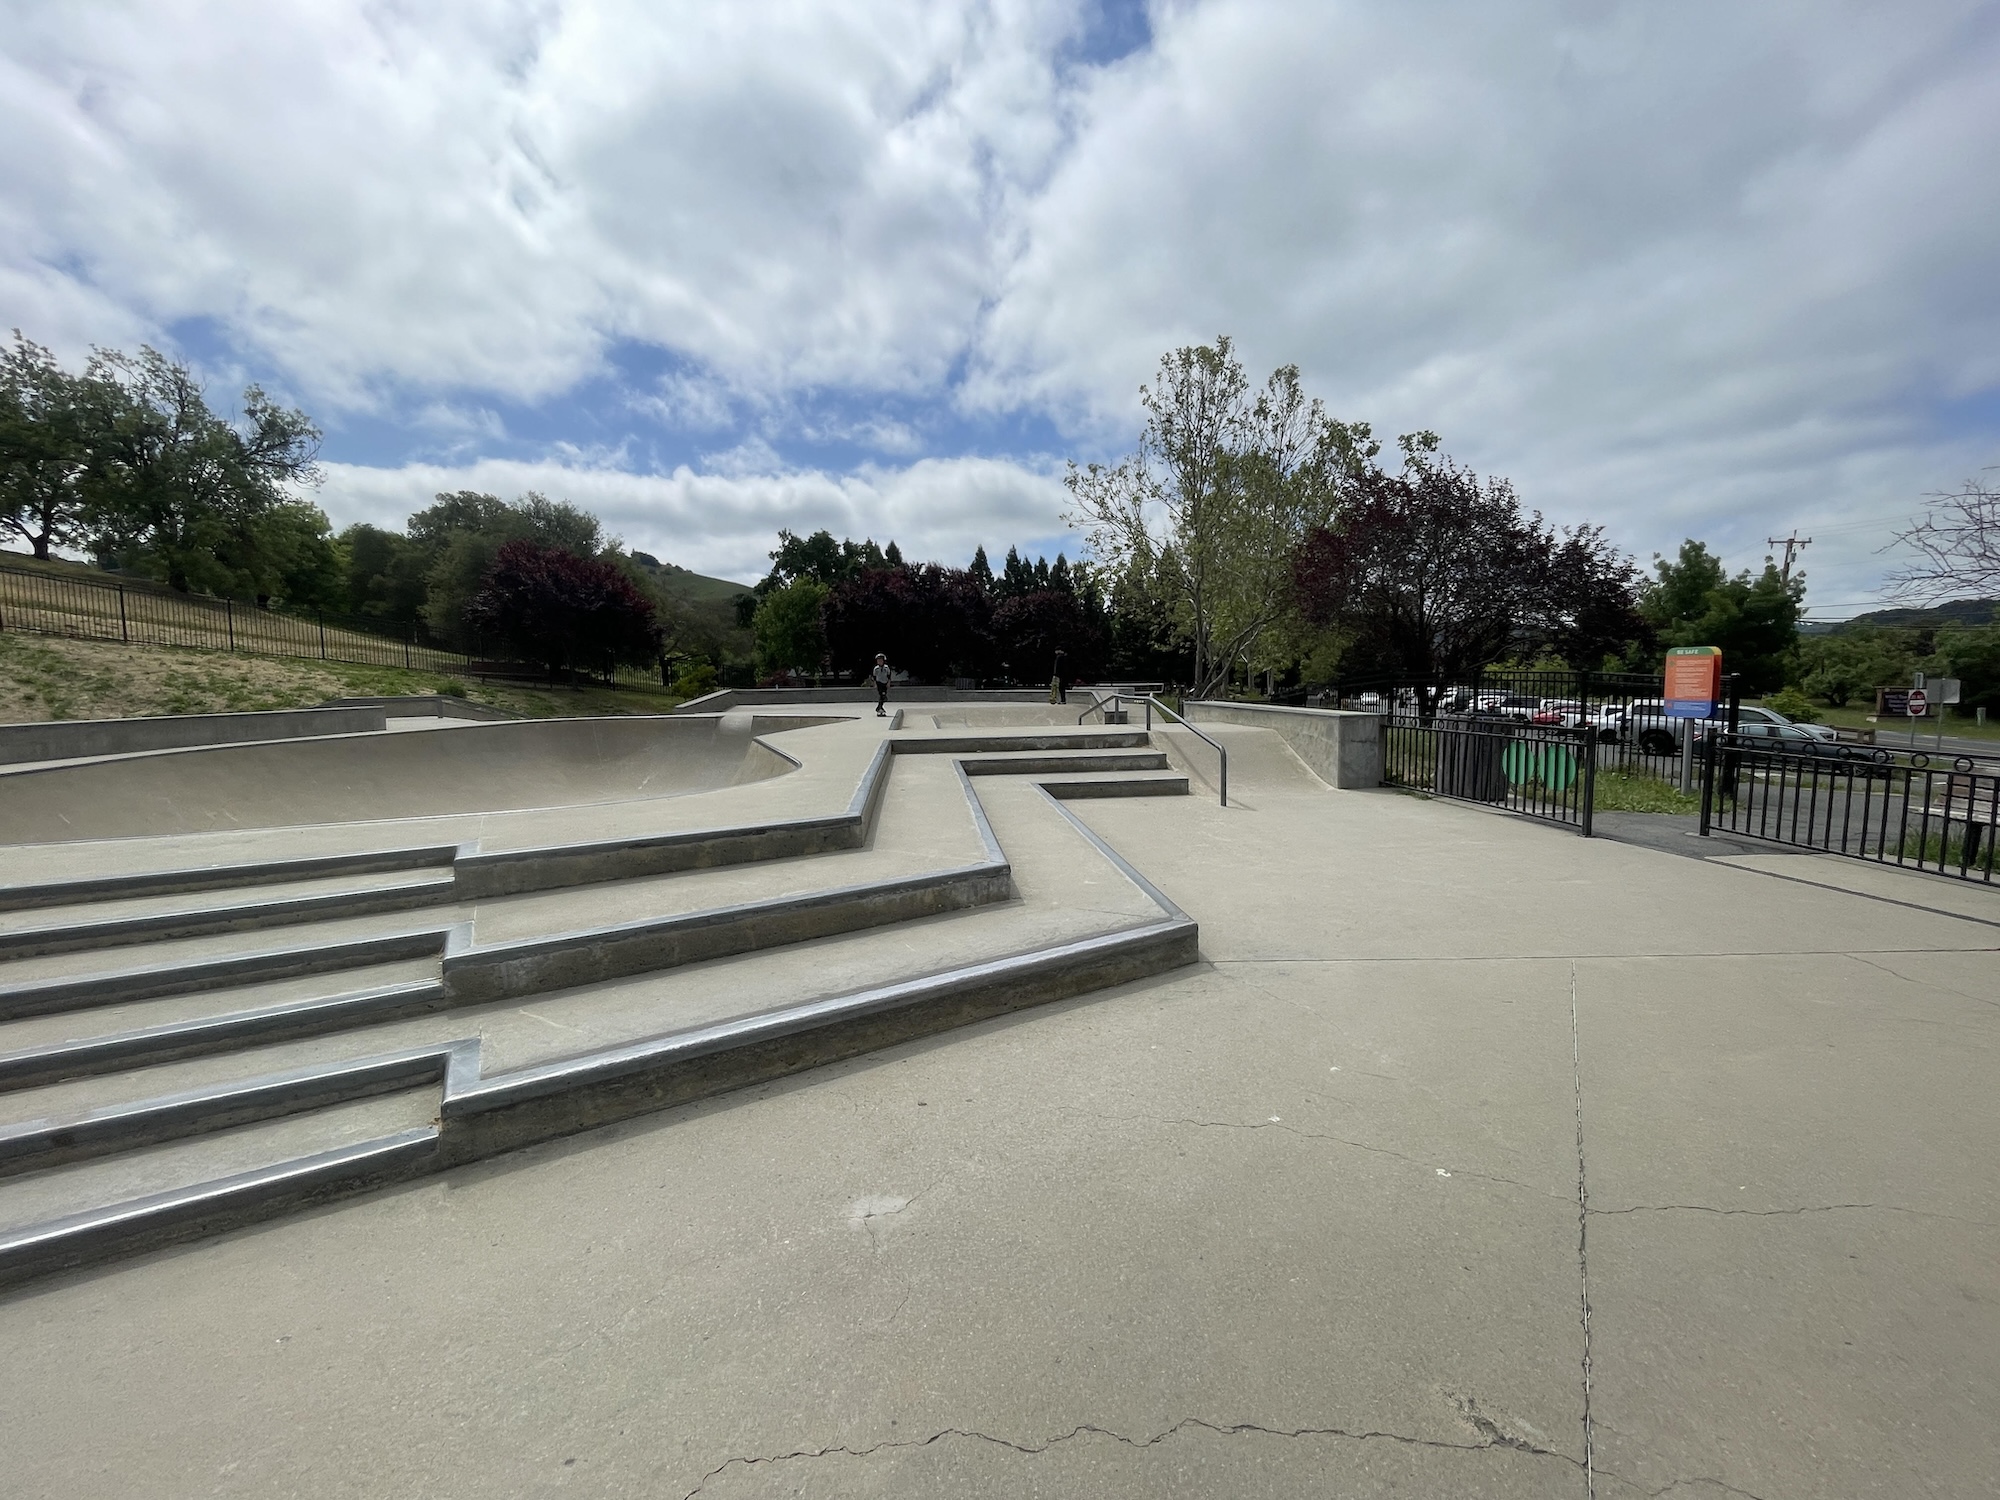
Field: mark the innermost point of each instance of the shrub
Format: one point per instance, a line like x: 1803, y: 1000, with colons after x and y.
x: 694, y: 681
x: 1794, y: 705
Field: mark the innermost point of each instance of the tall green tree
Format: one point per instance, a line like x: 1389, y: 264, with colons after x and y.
x: 47, y: 448
x: 1225, y: 486
x: 1694, y: 601
x: 787, y: 627
x: 177, y: 488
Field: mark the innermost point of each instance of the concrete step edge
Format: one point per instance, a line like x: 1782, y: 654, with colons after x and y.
x: 207, y: 1208
x: 74, y: 937
x: 484, y: 1117
x: 202, y: 1036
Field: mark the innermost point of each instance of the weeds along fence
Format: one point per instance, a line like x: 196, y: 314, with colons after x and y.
x: 50, y: 604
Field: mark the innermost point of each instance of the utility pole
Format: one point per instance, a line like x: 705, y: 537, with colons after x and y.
x: 1791, y: 544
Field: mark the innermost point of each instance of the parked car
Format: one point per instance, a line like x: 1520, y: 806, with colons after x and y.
x: 1515, y: 706
x: 1648, y: 726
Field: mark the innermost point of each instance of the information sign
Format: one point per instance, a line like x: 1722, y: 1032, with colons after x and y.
x: 1693, y: 682
x: 1917, y: 704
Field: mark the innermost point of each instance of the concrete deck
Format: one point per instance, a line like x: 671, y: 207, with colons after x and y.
x: 1476, y: 1159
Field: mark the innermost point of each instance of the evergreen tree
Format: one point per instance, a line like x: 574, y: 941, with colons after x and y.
x: 981, y: 571
x: 1016, y: 577
x: 893, y: 555
x: 1059, y: 577
x: 1041, y: 572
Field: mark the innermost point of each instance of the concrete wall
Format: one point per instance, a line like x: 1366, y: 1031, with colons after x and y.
x: 71, y: 739
x: 425, y: 705
x: 1343, y: 748
x: 901, y: 692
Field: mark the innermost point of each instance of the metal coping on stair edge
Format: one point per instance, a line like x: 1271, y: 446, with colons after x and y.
x: 182, y: 1213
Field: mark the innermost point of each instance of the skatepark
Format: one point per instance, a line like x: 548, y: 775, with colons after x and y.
x: 784, y: 1100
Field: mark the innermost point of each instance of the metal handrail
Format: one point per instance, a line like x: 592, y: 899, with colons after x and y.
x: 1097, y: 705
x: 1153, y: 703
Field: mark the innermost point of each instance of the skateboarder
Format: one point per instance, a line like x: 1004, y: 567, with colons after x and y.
x: 881, y: 676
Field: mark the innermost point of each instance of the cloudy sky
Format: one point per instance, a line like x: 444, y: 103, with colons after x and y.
x: 712, y: 267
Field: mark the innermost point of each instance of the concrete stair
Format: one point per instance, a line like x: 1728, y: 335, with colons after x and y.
x: 204, y: 1043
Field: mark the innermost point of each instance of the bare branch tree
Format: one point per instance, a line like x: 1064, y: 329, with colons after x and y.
x: 1957, y: 545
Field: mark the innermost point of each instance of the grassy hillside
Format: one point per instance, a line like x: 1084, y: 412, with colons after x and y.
x: 49, y: 677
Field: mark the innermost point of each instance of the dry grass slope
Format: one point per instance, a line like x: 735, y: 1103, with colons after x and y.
x: 52, y: 677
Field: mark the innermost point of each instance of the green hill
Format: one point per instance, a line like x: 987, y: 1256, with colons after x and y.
x: 1957, y: 612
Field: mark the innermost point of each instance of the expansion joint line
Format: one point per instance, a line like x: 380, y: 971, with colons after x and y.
x: 1582, y: 1243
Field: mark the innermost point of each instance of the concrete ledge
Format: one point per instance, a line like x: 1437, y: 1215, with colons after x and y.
x: 1344, y: 748
x: 480, y: 1117
x: 71, y: 937
x: 565, y: 960
x: 211, y: 1207
x: 1009, y: 742
x: 727, y: 698
x: 204, y: 1036
x: 1082, y: 789
x: 424, y: 705
x: 76, y: 739
x: 220, y: 877
x: 153, y: 981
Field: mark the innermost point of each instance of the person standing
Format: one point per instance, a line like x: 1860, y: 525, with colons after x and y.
x: 881, y: 676
x: 1061, y: 683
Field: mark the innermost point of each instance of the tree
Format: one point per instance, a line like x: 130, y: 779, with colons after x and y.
x: 820, y: 558
x: 1971, y: 653
x: 1029, y: 629
x: 1587, y: 609
x: 462, y: 534
x: 1755, y: 620
x: 981, y: 571
x: 1016, y: 576
x: 933, y: 622
x: 1431, y: 571
x: 787, y: 626
x: 47, y: 448
x: 1957, y: 546
x: 547, y: 604
x: 1223, y: 489
x: 176, y: 485
x: 385, y: 577
x: 892, y: 555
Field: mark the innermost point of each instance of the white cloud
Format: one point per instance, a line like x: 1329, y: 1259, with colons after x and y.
x: 726, y: 524
x: 1705, y: 268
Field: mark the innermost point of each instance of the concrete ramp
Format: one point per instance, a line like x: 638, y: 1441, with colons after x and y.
x: 473, y: 768
x: 1259, y: 760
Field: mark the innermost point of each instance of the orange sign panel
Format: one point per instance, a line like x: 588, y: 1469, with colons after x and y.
x: 1694, y: 674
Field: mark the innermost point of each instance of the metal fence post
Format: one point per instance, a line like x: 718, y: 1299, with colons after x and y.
x: 124, y: 629
x: 322, y: 633
x: 1589, y: 777
x: 1707, y: 786
x: 406, y: 650
x: 229, y: 617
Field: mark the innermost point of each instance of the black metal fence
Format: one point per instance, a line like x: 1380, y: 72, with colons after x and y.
x: 1544, y: 771
x: 1911, y: 809
x: 53, y: 604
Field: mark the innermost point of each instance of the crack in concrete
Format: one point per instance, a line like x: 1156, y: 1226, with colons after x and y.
x: 1774, y: 1213
x: 1582, y: 1243
x: 1930, y: 984
x: 1704, y: 1479
x: 1495, y: 1439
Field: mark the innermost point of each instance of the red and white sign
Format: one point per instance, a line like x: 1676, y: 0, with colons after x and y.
x: 1918, y: 704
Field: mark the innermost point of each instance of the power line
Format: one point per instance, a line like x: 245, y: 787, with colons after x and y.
x: 1791, y: 544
